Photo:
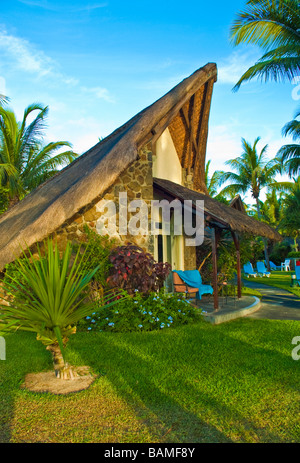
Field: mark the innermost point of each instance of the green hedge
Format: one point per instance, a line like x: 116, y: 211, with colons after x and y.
x: 294, y: 254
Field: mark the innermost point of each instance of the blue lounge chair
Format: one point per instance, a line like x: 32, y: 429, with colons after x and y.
x: 273, y: 266
x: 261, y: 269
x: 248, y: 270
x: 297, y: 270
x: 191, y: 282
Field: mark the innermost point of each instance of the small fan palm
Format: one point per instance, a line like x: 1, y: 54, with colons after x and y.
x: 49, y: 297
x: 25, y: 162
x: 273, y: 25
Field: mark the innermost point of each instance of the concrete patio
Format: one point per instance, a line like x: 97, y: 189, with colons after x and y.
x: 276, y: 304
x: 230, y: 308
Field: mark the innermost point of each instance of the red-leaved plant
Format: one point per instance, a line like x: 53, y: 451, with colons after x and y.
x: 134, y: 269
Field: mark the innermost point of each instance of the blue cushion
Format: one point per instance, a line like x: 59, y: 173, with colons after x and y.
x: 193, y: 278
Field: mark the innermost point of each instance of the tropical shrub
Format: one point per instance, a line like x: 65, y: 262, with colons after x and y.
x: 49, y: 299
x: 133, y: 269
x: 4, y: 199
x: 99, y: 247
x: 279, y: 252
x: 143, y: 313
x: 294, y: 254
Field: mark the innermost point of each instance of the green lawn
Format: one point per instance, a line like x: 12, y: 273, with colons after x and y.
x: 235, y: 382
x: 280, y: 280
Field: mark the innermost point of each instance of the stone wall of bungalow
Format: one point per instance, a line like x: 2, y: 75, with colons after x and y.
x: 137, y: 182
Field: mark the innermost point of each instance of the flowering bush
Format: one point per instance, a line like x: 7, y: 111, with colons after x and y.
x: 132, y: 269
x: 144, y: 313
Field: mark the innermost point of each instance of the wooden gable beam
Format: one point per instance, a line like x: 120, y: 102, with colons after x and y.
x: 202, y: 137
x: 189, y: 123
x: 154, y: 133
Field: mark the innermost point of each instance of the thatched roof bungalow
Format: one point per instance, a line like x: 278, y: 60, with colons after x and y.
x: 160, y: 151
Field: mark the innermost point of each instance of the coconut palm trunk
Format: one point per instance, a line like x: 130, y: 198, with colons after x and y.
x: 264, y: 239
x: 251, y: 171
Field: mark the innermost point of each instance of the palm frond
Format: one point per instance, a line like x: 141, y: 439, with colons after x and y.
x: 273, y: 25
x: 3, y: 99
x: 279, y: 70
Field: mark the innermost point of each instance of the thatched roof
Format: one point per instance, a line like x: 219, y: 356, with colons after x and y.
x: 45, y: 209
x: 218, y: 214
x: 238, y: 204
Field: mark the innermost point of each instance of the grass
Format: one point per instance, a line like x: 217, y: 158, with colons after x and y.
x: 280, y: 280
x: 251, y: 292
x: 198, y: 383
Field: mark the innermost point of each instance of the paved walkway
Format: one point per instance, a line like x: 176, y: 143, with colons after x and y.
x: 277, y: 303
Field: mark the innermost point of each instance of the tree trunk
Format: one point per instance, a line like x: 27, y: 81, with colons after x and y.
x: 62, y: 369
x: 264, y: 239
x: 204, y: 260
x: 295, y: 244
x: 13, y: 201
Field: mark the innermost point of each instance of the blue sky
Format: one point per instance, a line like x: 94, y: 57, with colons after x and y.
x: 96, y: 64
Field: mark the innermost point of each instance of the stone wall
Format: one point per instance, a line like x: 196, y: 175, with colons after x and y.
x: 137, y: 182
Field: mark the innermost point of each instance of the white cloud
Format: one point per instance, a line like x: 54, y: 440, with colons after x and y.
x: 83, y: 132
x: 2, y: 86
x: 24, y: 56
x: 58, y: 6
x: 163, y: 85
x: 233, y: 67
x: 223, y: 144
x: 18, y: 54
x: 99, y: 92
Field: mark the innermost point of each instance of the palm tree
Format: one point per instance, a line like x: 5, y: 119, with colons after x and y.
x: 3, y: 99
x: 211, y: 182
x: 251, y: 171
x: 289, y: 155
x: 273, y: 25
x: 290, y: 222
x: 48, y: 296
x: 24, y: 160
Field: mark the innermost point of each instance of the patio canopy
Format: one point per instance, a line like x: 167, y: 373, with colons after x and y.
x: 218, y: 214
